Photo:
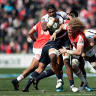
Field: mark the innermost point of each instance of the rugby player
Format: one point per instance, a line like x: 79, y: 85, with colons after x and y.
x: 80, y: 45
x: 50, y: 52
x: 43, y: 37
x: 37, y: 48
x: 64, y: 26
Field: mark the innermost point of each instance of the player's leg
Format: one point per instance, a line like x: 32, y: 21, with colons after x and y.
x: 60, y: 81
x: 46, y: 73
x: 81, y: 66
x: 43, y: 75
x: 31, y: 68
x: 44, y: 60
x: 36, y: 73
x: 69, y: 72
x: 78, y: 72
x: 53, y: 54
x: 25, y: 73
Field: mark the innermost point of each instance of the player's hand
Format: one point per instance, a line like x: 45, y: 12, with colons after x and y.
x: 53, y: 37
x: 63, y: 50
x: 29, y: 39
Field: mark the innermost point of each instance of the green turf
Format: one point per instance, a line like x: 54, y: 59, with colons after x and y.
x: 46, y: 86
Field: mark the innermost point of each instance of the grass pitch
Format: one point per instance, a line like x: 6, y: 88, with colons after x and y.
x: 46, y: 86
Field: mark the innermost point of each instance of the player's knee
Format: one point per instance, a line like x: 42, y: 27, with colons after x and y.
x: 75, y: 63
x: 66, y: 60
x: 53, y: 59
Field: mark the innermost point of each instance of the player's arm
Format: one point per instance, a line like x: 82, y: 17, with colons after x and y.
x: 53, y: 37
x: 60, y: 29
x: 31, y: 33
x: 77, y: 51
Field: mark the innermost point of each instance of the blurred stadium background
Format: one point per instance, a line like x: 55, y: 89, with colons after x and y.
x: 16, y: 19
x: 18, y: 16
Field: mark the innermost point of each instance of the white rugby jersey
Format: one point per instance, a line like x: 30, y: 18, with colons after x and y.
x: 61, y: 15
x: 90, y: 33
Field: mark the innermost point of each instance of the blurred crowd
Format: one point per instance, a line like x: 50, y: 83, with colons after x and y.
x: 18, y: 16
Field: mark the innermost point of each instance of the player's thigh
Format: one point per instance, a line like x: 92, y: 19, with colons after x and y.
x: 35, y: 63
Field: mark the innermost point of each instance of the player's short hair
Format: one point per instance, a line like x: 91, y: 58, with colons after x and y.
x: 74, y: 13
x: 76, y: 24
x: 51, y: 6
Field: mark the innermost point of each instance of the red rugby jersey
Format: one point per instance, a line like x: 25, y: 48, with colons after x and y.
x: 43, y: 36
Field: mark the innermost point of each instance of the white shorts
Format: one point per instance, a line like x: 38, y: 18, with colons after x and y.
x: 37, y: 53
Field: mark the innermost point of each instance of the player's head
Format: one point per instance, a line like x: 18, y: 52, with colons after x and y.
x: 44, y: 25
x: 72, y: 13
x: 74, y: 26
x: 51, y: 9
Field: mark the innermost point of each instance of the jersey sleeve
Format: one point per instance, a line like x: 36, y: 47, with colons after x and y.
x: 35, y: 27
x: 63, y: 14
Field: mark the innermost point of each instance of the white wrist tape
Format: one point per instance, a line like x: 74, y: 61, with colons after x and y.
x: 70, y: 52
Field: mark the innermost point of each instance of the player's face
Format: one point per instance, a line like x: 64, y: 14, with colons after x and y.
x: 44, y: 26
x: 52, y: 13
x: 70, y: 31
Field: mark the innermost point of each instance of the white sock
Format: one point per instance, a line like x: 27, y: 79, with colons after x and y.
x: 20, y: 77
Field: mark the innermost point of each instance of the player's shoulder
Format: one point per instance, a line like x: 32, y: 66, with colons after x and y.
x: 62, y: 13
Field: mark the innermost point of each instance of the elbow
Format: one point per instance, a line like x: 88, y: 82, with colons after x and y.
x: 80, y: 52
